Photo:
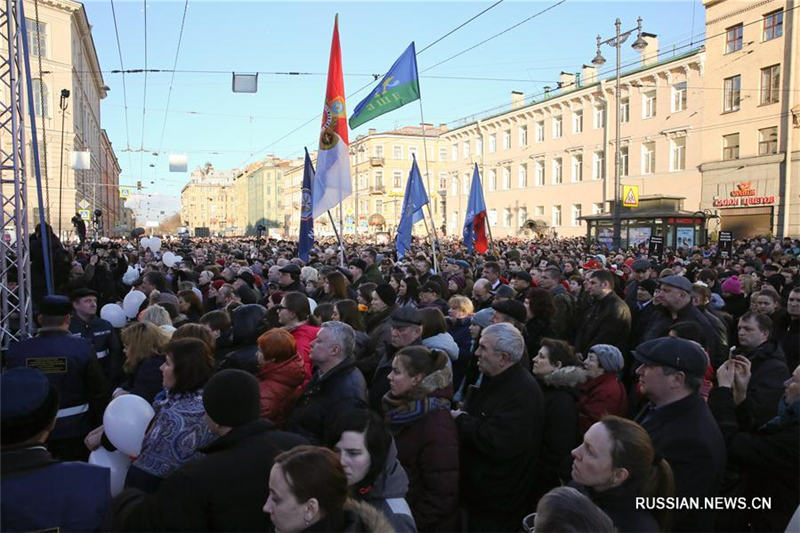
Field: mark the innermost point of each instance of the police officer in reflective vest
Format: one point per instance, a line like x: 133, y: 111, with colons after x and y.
x: 72, y: 368
x: 85, y: 323
x: 40, y: 493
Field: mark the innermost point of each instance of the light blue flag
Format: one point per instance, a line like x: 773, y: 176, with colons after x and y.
x: 414, y: 199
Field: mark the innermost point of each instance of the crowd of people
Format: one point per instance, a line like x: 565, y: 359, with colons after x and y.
x: 602, y: 390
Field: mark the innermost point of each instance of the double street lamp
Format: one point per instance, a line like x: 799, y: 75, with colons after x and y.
x: 616, y: 42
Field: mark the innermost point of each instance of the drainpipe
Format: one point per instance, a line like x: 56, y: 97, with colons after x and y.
x: 783, y: 228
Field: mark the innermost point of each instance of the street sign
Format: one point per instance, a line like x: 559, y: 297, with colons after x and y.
x: 124, y: 192
x: 725, y: 240
x: 83, y: 204
x: 630, y: 195
x: 85, y: 214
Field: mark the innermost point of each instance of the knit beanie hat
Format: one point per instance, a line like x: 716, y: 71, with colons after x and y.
x: 386, y: 293
x: 609, y: 357
x: 483, y: 317
x: 231, y: 398
x: 732, y: 285
x: 459, y: 280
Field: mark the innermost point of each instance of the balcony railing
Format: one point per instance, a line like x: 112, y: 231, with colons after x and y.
x: 376, y: 161
x: 377, y: 189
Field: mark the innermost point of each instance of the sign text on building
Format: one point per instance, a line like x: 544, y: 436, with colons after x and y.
x: 744, y: 202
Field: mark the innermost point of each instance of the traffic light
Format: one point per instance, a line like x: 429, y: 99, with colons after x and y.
x: 138, y: 185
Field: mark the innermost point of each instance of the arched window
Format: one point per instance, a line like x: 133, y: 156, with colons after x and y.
x: 40, y: 98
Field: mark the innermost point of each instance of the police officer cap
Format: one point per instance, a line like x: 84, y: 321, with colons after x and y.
x: 82, y: 292
x: 28, y: 404
x: 678, y: 282
x: 291, y: 268
x: 55, y: 305
x: 406, y: 316
x: 521, y: 274
x: 681, y: 354
x: 513, y: 308
x: 640, y: 264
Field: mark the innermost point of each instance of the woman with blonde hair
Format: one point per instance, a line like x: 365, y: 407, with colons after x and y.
x: 157, y: 315
x: 143, y: 344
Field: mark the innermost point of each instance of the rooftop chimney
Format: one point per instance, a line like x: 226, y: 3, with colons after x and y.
x: 650, y: 53
x: 372, y: 131
x: 517, y: 99
x: 589, y: 74
x: 566, y: 81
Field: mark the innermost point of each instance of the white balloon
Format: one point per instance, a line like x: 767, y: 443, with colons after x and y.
x: 178, y: 259
x: 115, y: 461
x: 154, y: 244
x: 168, y: 259
x: 144, y: 242
x: 114, y: 314
x: 130, y: 276
x: 132, y: 302
x: 125, y: 422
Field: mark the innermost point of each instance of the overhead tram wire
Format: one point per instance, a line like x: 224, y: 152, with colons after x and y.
x: 144, y: 92
x: 124, y: 88
x: 460, y: 26
x: 172, y: 80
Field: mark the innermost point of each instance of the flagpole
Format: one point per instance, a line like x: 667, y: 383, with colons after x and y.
x: 434, y: 237
x: 338, y: 238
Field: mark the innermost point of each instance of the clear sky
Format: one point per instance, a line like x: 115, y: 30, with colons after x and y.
x: 209, y: 122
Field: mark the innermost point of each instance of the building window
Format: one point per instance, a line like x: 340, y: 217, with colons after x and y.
x: 523, y: 135
x: 577, y: 122
x: 557, y: 122
x: 379, y: 178
x: 443, y: 182
x: 540, y: 131
x: 599, y: 116
x: 648, y: 157
x: 40, y: 97
x: 625, y: 109
x: 454, y: 152
x: 507, y: 217
x: 493, y: 217
x: 773, y: 25
x: 539, y: 210
x: 454, y: 188
x: 576, y: 214
x: 442, y: 154
x: 733, y: 92
x: 506, y: 178
x: 649, y: 104
x: 412, y: 152
x: 677, y: 148
x: 38, y: 46
x: 730, y: 146
x: 522, y: 176
x: 598, y: 165
x: 768, y: 141
x: 492, y: 143
x: 378, y: 150
x: 397, y: 179
x: 465, y: 149
x: 557, y: 170
x: 770, y: 84
x: 733, y: 38
x: 479, y: 146
x: 522, y: 216
x: 506, y: 139
x: 397, y: 152
x: 379, y: 206
x: 623, y: 161
x: 467, y: 183
x: 539, y: 170
x: 556, y: 216
x: 679, y: 95
x: 492, y: 180
x: 597, y: 208
x: 577, y: 168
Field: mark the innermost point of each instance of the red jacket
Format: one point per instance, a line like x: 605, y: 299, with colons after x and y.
x: 280, y: 385
x: 303, y: 335
x: 603, y: 395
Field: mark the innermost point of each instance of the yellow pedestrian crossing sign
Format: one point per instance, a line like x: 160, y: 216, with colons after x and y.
x: 84, y: 213
x: 630, y: 195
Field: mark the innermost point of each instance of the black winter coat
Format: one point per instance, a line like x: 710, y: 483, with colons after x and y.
x: 768, y: 372
x: 606, y: 321
x: 661, y: 321
x: 619, y: 503
x: 501, y: 435
x: 686, y: 435
x: 327, y: 397
x: 224, y: 490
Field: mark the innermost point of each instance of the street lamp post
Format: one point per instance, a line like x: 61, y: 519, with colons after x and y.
x: 62, y: 105
x: 616, y: 42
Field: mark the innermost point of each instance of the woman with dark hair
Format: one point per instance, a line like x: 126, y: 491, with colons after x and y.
x: 143, y: 344
x: 408, y: 293
x: 435, y: 335
x: 296, y: 318
x: 334, y: 287
x: 280, y: 374
x: 308, y: 492
x: 369, y: 458
x: 395, y: 279
x: 417, y: 411
x: 556, y: 368
x: 195, y: 331
x: 540, y: 308
x: 566, y: 510
x: 190, y: 305
x: 364, y: 296
x: 323, y: 312
x: 178, y: 427
x: 615, y: 464
x: 379, y: 325
x: 347, y: 311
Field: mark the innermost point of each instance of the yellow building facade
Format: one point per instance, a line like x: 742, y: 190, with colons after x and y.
x: 208, y: 201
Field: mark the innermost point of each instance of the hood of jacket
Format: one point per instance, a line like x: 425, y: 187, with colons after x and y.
x: 289, y: 373
x: 392, y: 482
x: 569, y: 377
x: 245, y: 321
x: 443, y: 342
x: 305, y: 331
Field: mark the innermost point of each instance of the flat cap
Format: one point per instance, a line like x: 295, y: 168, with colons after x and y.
x: 504, y: 291
x: 406, y: 316
x: 684, y: 355
x: 23, y: 390
x: 513, y: 308
x: 521, y: 274
x: 82, y: 292
x: 358, y: 263
x: 678, y: 282
x: 640, y: 264
x: 56, y: 305
x: 290, y: 268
